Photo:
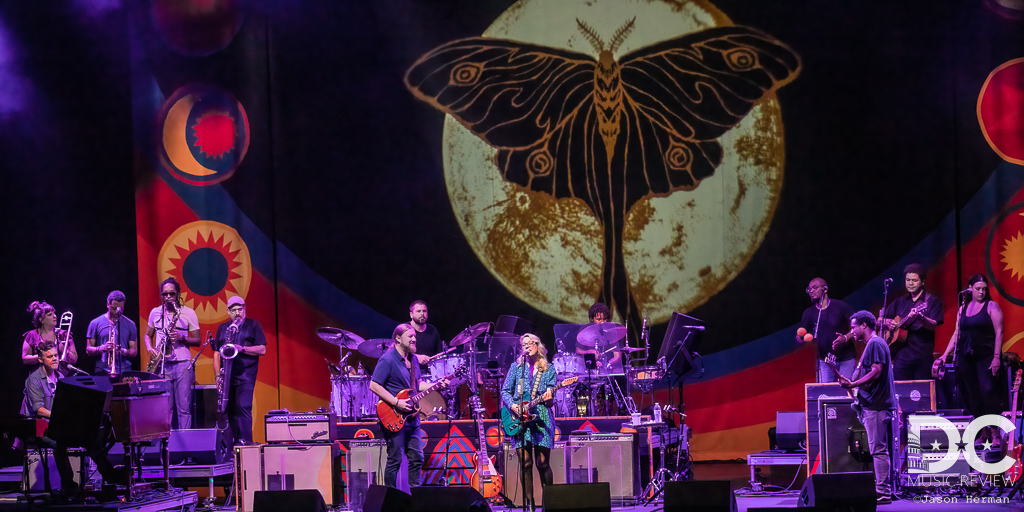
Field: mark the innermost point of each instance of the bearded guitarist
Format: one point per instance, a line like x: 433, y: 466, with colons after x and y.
x: 398, y: 370
x: 919, y: 312
x: 528, y: 378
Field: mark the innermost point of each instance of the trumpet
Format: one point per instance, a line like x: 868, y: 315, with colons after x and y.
x: 112, y: 355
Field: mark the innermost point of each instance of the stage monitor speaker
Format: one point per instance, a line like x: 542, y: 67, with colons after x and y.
x: 288, y: 467
x: 204, y: 406
x: 78, y: 411
x: 844, y: 492
x: 844, y: 441
x: 614, y: 456
x: 578, y: 498
x: 248, y: 475
x: 448, y: 499
x: 205, y: 446
x: 790, y: 430
x: 386, y: 499
x: 299, y: 500
x: 510, y: 479
x: 700, y: 496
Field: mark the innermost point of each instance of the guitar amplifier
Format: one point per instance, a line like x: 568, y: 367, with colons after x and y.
x: 930, y: 435
x: 511, y: 476
x: 608, y: 458
x: 301, y: 427
x: 288, y: 467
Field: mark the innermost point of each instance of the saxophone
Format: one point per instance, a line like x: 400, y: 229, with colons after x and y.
x: 163, y: 346
x: 228, y: 351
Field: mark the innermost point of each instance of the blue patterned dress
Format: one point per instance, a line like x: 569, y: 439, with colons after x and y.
x: 542, y: 432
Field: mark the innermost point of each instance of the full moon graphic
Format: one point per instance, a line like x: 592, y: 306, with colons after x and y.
x: 680, y: 249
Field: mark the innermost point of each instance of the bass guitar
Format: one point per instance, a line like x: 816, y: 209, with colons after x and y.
x: 513, y: 423
x: 485, y: 478
x: 898, y: 333
x: 830, y: 360
x: 393, y: 420
x: 1012, y: 448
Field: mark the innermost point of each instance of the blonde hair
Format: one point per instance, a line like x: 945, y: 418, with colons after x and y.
x: 542, y: 363
x: 400, y: 330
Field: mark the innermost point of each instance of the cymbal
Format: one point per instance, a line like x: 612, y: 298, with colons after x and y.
x: 630, y: 350
x: 375, y: 348
x: 469, y: 334
x: 339, y: 337
x: 604, y: 332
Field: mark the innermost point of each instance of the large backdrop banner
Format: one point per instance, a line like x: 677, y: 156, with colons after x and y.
x: 331, y: 162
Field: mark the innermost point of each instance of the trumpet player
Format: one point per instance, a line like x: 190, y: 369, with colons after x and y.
x: 112, y: 336
x: 44, y: 318
x: 173, y: 327
x: 238, y: 346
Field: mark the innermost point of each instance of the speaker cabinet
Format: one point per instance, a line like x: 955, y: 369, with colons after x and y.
x: 206, y: 446
x: 36, y: 473
x: 612, y: 456
x: 853, y: 492
x: 248, y: 475
x: 578, y: 498
x: 386, y: 499
x: 700, y: 496
x: 510, y: 479
x: 448, y: 499
x: 78, y: 410
x: 844, y: 441
x: 364, y: 466
x: 301, y: 500
x: 291, y: 467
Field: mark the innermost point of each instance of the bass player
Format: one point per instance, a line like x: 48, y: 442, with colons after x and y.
x: 529, y: 377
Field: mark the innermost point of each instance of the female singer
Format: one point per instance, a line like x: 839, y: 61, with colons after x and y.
x: 529, y: 377
x: 44, y: 318
x: 978, y: 342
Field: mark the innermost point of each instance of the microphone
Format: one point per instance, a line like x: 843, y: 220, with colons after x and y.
x: 965, y: 290
x: 694, y: 327
x: 643, y: 329
x: 342, y: 362
x: 887, y: 280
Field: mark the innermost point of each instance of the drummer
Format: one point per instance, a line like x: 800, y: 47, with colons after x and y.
x: 599, y: 314
x: 428, y: 342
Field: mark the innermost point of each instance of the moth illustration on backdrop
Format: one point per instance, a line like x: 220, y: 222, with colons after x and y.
x: 606, y: 131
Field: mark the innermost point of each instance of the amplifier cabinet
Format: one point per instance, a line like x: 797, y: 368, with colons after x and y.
x: 248, y: 475
x: 608, y: 458
x: 300, y: 427
x: 511, y: 479
x: 288, y: 467
x: 364, y: 466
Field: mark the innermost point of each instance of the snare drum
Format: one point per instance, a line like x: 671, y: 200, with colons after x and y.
x: 351, y: 398
x: 569, y: 365
x: 443, y: 366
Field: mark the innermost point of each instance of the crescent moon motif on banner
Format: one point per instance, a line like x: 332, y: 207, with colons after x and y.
x: 204, y: 134
x: 211, y: 261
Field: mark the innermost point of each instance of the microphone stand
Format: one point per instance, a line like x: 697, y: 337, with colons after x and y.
x: 192, y: 366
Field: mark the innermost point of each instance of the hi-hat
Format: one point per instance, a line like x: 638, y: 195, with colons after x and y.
x: 339, y: 337
x: 469, y: 334
x: 605, y: 332
x: 376, y: 347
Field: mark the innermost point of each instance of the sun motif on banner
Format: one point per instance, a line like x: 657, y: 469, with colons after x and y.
x: 204, y: 134
x: 1005, y: 254
x: 211, y: 262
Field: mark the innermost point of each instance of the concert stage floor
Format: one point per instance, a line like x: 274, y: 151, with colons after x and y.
x: 181, y: 501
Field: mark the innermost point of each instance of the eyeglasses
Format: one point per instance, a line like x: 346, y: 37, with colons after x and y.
x: 168, y: 294
x: 810, y: 289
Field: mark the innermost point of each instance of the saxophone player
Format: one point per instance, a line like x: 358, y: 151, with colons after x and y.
x: 242, y: 340
x: 173, y: 327
x: 112, y: 336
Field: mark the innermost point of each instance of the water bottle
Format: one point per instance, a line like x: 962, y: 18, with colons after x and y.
x: 657, y: 413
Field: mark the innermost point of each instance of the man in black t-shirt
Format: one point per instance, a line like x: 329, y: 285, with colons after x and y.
x: 250, y: 342
x: 875, y: 397
x: 923, y: 313
x: 828, y: 321
x: 428, y: 342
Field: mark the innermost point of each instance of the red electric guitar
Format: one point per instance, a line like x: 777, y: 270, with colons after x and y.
x: 393, y: 419
x: 1012, y: 448
x: 484, y: 478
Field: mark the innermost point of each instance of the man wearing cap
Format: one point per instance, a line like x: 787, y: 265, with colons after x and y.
x: 240, y: 372
x: 112, y: 335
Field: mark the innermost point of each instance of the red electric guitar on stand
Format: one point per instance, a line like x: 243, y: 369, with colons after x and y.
x: 1012, y: 448
x: 484, y: 478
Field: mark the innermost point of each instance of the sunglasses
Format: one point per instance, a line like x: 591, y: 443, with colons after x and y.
x: 168, y: 294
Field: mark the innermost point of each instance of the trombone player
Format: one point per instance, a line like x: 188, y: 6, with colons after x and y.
x: 237, y: 350
x: 112, y: 335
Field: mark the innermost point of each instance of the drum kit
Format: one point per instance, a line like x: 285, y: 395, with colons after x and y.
x: 598, y: 361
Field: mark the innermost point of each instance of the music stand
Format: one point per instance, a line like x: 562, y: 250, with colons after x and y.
x: 682, y: 337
